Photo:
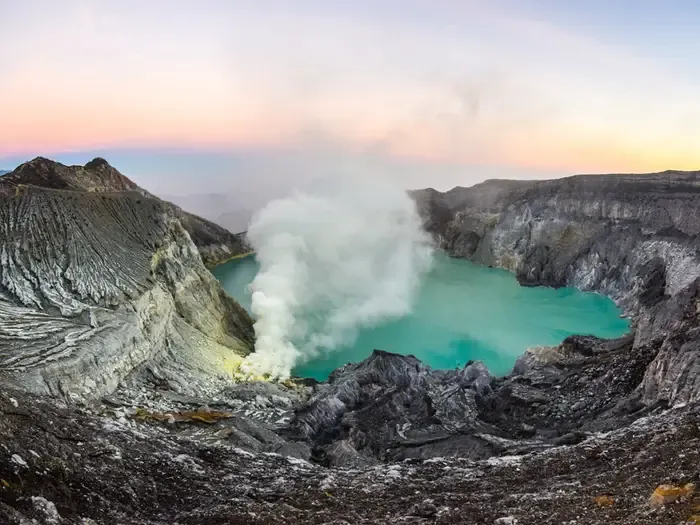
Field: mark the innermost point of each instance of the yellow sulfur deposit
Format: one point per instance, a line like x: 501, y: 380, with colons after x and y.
x: 665, y: 494
x: 604, y: 501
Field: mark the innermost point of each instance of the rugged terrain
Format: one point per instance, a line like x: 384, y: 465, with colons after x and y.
x: 633, y: 238
x: 102, y: 283
x: 214, y: 243
x: 605, y: 233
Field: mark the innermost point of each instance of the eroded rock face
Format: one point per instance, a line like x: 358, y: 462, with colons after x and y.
x: 630, y: 237
x: 215, y: 243
x: 100, y: 283
x: 392, y: 407
x: 672, y: 326
x: 592, y: 232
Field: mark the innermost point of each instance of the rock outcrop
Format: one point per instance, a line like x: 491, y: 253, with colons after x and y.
x: 101, y: 283
x: 594, y: 232
x: 215, y: 244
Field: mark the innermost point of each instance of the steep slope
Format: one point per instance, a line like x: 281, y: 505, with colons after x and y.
x: 215, y: 244
x: 100, y: 283
x: 579, y: 231
x: 631, y: 237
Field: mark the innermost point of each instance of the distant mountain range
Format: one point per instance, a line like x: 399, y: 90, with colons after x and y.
x: 2, y: 172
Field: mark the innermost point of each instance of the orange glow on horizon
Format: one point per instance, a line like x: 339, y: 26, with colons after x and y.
x: 565, y: 157
x: 444, y: 83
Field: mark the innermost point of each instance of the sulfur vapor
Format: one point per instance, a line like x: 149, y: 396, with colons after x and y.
x: 344, y: 254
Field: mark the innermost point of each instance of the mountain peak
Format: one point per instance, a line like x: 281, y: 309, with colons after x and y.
x: 96, y: 176
x: 97, y: 163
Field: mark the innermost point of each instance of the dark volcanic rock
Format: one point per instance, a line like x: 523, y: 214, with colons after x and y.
x: 392, y: 407
x: 673, y: 327
x: 90, y: 466
x: 652, y: 276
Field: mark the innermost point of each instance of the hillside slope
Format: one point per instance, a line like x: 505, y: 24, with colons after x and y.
x: 215, y: 244
x: 100, y: 283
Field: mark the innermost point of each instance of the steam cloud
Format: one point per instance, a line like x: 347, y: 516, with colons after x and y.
x: 341, y: 256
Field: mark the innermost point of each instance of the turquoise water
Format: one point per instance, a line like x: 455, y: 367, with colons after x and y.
x: 463, y: 312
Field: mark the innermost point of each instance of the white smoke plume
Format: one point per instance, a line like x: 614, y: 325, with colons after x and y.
x: 345, y: 254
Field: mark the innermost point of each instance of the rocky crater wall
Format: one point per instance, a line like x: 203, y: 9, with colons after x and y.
x: 103, y: 287
x: 633, y: 238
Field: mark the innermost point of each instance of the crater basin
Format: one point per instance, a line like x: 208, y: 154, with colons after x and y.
x: 462, y: 312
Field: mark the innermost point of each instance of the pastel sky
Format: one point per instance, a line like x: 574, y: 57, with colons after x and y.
x: 193, y: 95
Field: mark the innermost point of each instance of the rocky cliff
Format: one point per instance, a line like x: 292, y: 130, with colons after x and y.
x: 633, y: 238
x: 596, y: 232
x: 215, y: 244
x: 104, y: 298
x: 101, y: 283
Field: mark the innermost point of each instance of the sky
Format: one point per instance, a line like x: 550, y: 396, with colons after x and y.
x: 196, y: 96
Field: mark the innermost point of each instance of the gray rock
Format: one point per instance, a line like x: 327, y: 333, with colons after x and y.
x: 47, y: 510
x: 630, y: 237
x: 425, y: 509
x: 101, y: 284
